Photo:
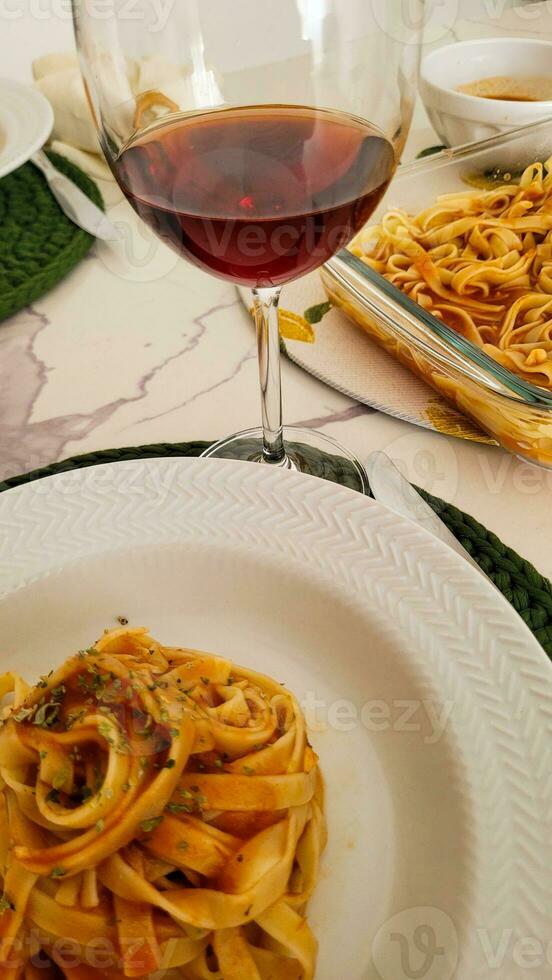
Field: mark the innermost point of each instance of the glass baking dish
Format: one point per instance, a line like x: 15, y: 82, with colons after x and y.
x: 516, y: 413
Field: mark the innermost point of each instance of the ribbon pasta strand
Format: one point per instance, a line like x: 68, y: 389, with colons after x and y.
x: 480, y: 261
x: 161, y: 814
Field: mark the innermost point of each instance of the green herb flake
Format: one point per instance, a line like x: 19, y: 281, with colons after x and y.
x: 73, y: 717
x: 24, y: 713
x: 183, y: 845
x: 315, y: 314
x: 100, y: 826
x: 47, y: 715
x: 104, y: 729
x: 6, y: 905
x: 148, y: 825
x: 60, y: 777
x: 248, y: 771
x: 52, y: 796
x: 57, y: 872
x: 179, y: 807
x: 204, y: 680
x: 170, y: 764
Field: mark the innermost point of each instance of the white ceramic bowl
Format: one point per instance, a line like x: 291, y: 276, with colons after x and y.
x: 459, y: 118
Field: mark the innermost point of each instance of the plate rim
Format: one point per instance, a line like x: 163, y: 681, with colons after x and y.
x: 343, y: 513
x: 44, y: 126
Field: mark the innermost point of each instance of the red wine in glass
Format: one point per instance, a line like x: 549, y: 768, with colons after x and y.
x: 258, y: 195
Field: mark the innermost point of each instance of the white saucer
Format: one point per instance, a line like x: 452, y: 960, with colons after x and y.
x: 26, y: 121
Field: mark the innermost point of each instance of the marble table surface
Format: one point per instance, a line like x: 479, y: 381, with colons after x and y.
x: 136, y: 346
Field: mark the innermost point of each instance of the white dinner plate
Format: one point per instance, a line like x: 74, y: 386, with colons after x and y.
x: 26, y: 121
x: 430, y: 703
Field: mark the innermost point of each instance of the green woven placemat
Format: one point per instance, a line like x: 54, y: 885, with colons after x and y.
x: 38, y: 243
x: 529, y: 592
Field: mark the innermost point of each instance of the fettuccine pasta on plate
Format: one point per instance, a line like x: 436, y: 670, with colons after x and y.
x: 161, y: 809
x: 480, y: 261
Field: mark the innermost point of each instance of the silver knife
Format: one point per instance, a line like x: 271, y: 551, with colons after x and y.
x: 74, y: 202
x: 391, y: 489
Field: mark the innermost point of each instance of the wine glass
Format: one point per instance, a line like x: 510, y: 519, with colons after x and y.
x: 255, y: 137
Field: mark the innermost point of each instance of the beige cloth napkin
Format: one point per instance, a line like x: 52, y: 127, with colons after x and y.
x: 74, y: 135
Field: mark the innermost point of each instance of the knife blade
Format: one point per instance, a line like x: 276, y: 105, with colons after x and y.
x: 393, y: 490
x: 74, y: 202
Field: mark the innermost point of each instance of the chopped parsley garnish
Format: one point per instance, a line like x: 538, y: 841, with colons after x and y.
x: 24, y: 713
x: 179, y: 808
x: 47, y: 714
x: 248, y: 771
x: 6, y: 905
x: 57, y: 872
x: 183, y: 845
x: 204, y: 680
x: 148, y: 825
x: 52, y: 796
x: 73, y: 717
x: 170, y: 764
x: 60, y: 777
x: 100, y: 826
x: 104, y: 729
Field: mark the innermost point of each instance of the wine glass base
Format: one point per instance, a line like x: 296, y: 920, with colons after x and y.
x: 307, y: 451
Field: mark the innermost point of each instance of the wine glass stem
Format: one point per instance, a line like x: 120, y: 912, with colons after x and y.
x: 266, y: 303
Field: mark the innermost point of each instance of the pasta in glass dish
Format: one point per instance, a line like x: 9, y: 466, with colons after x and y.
x: 480, y: 261
x: 454, y: 282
